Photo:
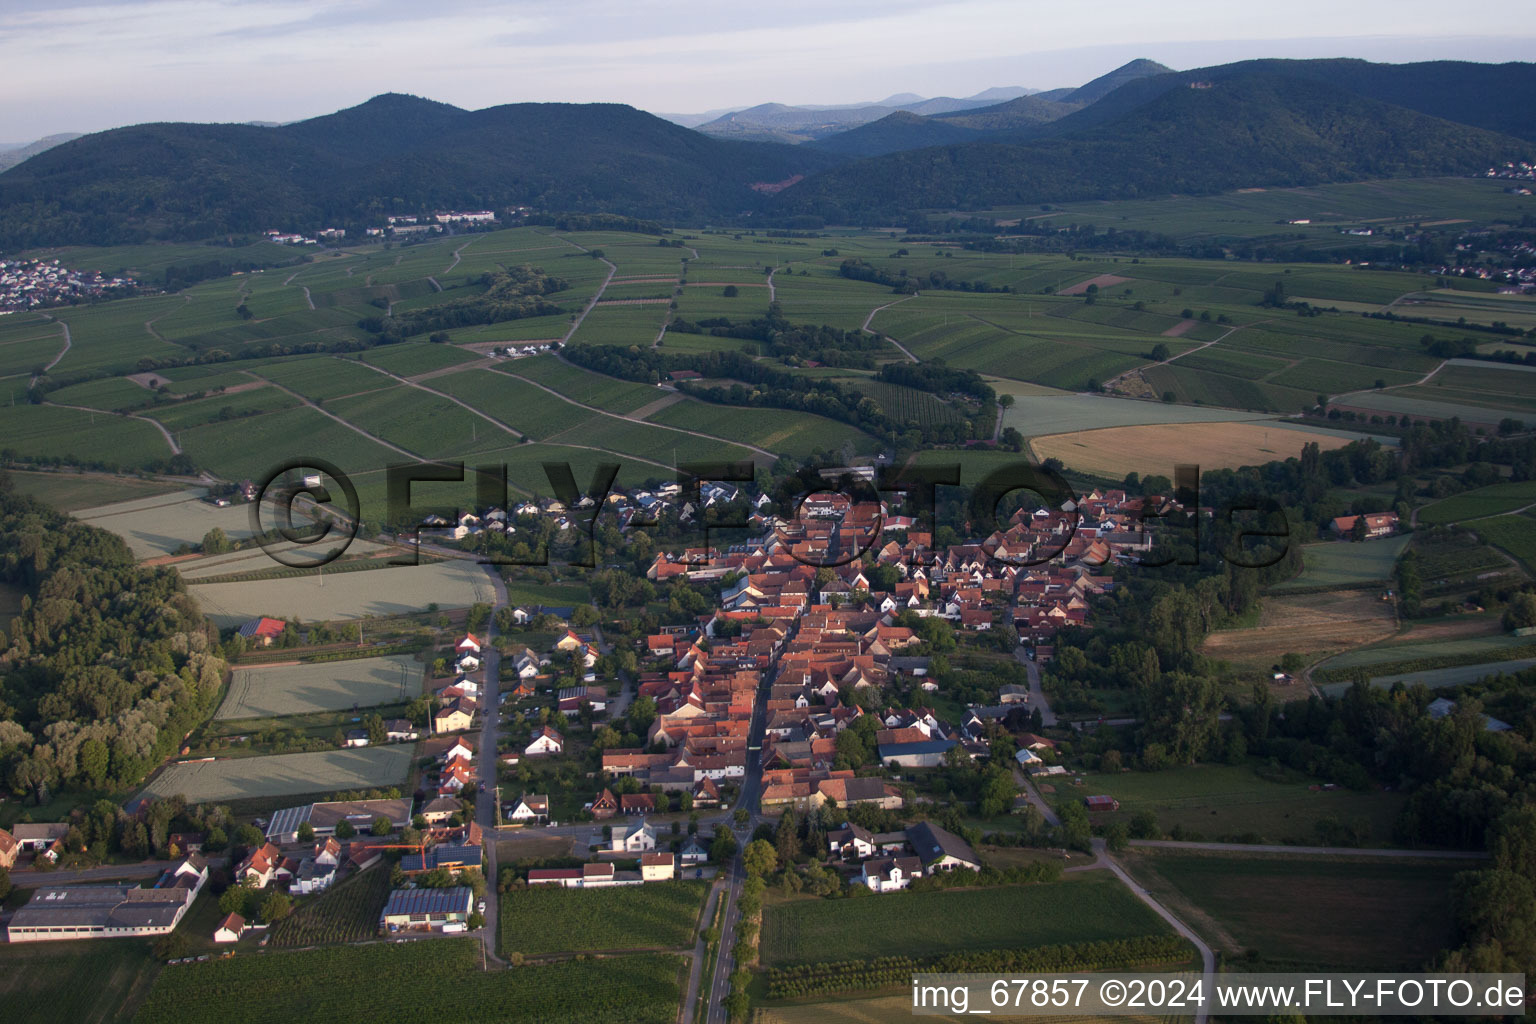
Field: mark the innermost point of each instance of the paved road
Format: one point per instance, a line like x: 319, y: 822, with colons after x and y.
x: 700, y: 954
x: 736, y: 875
x: 1036, y: 694
x: 1327, y: 851
x: 1034, y: 796
x: 485, y: 801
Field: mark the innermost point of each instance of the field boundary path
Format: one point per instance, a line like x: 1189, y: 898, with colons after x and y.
x: 68, y: 344
x: 696, y: 971
x: 1207, y: 958
x: 591, y: 303
x: 1136, y: 370
x: 349, y: 425
x: 175, y: 448
x: 630, y: 417
x: 1313, y: 851
x: 899, y: 346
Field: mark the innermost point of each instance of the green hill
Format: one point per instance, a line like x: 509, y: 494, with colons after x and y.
x: 392, y: 154
x: 1250, y: 129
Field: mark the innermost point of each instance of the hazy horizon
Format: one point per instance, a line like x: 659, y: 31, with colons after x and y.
x: 96, y: 64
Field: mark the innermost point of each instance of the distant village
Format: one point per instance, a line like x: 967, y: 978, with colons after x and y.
x: 39, y: 284
x: 401, y: 226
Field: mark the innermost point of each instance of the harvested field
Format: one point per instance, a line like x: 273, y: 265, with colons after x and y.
x: 159, y: 525
x: 242, y: 778
x: 1103, y: 281
x: 1179, y: 329
x: 392, y: 591
x: 1040, y: 415
x: 1154, y: 448
x: 1310, y: 624
x: 271, y: 691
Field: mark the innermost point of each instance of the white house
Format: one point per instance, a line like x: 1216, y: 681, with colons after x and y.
x: 636, y: 838
x: 531, y: 808
x: 656, y: 867
x: 545, y: 741
x: 888, y: 874
x: 230, y: 929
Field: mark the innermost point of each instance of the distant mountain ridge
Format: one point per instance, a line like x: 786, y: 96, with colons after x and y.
x: 393, y: 153
x: 14, y: 154
x: 1163, y: 134
x: 780, y: 122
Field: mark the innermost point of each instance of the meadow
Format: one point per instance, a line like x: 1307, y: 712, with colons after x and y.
x: 415, y: 981
x: 70, y: 491
x: 1493, y: 500
x: 1335, y: 914
x: 272, y: 691
x: 243, y: 778
x: 657, y: 915
x: 1344, y: 563
x: 1090, y: 907
x: 1225, y: 802
x: 1039, y: 415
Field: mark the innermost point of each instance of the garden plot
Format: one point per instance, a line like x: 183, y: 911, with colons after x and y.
x: 244, y: 778
x: 161, y: 524
x: 353, y: 595
x: 277, y: 690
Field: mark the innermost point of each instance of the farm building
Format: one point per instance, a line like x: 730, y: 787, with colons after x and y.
x: 230, y: 929
x: 888, y: 874
x: 1101, y: 803
x: 8, y: 849
x: 109, y: 911
x: 427, y: 909
x: 262, y: 632
x: 1377, y: 524
x: 324, y: 817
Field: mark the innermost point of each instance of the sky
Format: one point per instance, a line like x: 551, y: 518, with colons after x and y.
x: 87, y: 65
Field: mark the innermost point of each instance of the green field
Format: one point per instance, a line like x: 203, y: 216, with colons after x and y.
x: 414, y: 983
x: 657, y: 915
x: 1493, y: 500
x: 797, y: 435
x: 325, y: 686
x: 76, y: 982
x: 242, y: 778
x: 1487, y: 647
x: 1338, y: 914
x: 1515, y: 534
x: 411, y: 358
x: 159, y: 523
x: 1232, y: 802
x: 1089, y: 908
x: 69, y: 492
x: 1339, y: 563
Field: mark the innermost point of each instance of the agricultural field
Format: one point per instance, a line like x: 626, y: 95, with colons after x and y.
x: 1312, y: 625
x: 1435, y: 678
x: 324, y: 377
x: 159, y: 524
x: 1339, y: 914
x: 1116, y: 451
x: 352, y: 595
x: 1342, y: 563
x: 657, y: 915
x: 349, y: 912
x: 242, y: 778
x: 798, y: 435
x: 1236, y: 803
x: 421, y: 422
x: 76, y: 982
x: 416, y: 980
x: 1413, y: 646
x: 1090, y: 907
x: 109, y: 393
x: 411, y: 358
x: 1493, y: 500
x: 70, y: 492
x: 73, y: 436
x: 273, y: 691
x: 1515, y: 534
x: 1040, y: 415
x: 884, y: 1009
x: 584, y: 386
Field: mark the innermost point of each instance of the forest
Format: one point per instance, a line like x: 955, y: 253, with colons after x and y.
x: 109, y: 663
